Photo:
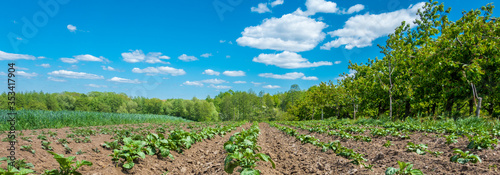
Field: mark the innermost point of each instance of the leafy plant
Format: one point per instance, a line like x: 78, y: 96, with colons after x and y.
x: 464, y: 157
x: 480, y: 142
x: 405, y: 168
x: 67, y: 149
x: 387, y: 144
x: 451, y: 138
x: 129, y: 152
x: 420, y: 149
x: 66, y: 165
x: 27, y: 148
x: 111, y: 145
x: 28, y: 139
x: 80, y: 152
x: 46, y: 145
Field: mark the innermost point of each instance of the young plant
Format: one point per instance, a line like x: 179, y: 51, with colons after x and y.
x: 480, y: 142
x: 66, y: 165
x: 420, y: 149
x: 405, y: 168
x: 41, y: 137
x: 67, y: 149
x: 80, y: 152
x: 129, y: 152
x: 452, y: 138
x: 28, y: 148
x: 46, y: 145
x: 387, y: 144
x: 464, y: 157
x: 62, y: 141
x: 28, y: 139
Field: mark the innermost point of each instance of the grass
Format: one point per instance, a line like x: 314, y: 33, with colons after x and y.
x: 37, y: 119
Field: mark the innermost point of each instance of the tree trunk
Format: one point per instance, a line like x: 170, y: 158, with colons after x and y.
x: 478, y: 109
x: 321, y: 113
x: 449, y: 104
x: 354, y: 112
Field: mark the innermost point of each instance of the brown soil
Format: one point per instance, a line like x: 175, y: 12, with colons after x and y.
x: 382, y: 157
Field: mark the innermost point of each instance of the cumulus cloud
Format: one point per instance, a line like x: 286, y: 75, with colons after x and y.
x: 124, y: 80
x: 271, y: 86
x: 214, y: 81
x: 85, y: 57
x: 261, y: 8
x: 288, y: 33
x: 288, y: 60
x: 193, y: 83
x: 71, y: 28
x: 187, y: 58
x: 310, y: 78
x: 75, y: 75
x: 96, y: 86
x: 160, y: 70
x: 206, y: 55
x: 14, y: 56
x: 257, y: 83
x: 239, y: 82
x: 323, y: 6
x: 56, y: 79
x: 337, y: 62
x: 25, y: 74
x: 20, y: 68
x: 211, y: 72
x: 45, y: 65
x: 109, y: 68
x: 360, y: 30
x: 287, y: 76
x: 238, y: 73
x: 219, y: 86
x: 135, y: 56
x: 277, y: 2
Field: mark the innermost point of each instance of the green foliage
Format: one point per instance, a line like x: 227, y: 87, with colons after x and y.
x: 66, y: 165
x: 464, y: 157
x: 405, y: 168
x: 46, y: 145
x: 129, y: 152
x: 419, y: 149
x: 27, y: 148
x: 387, y: 144
x: 451, y: 138
x: 480, y: 142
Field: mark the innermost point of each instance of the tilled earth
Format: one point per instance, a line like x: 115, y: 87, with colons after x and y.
x: 290, y: 156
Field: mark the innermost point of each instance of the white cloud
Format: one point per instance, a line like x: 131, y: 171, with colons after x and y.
x: 187, y: 58
x: 71, y: 28
x: 109, y: 68
x: 193, y: 83
x: 135, y: 56
x: 69, y: 60
x: 239, y: 82
x: 211, y: 72
x: 206, y: 55
x: 257, y: 83
x: 96, y: 86
x: 287, y: 76
x: 219, y: 86
x: 288, y: 60
x: 271, y: 86
x: 124, y: 80
x: 45, y: 65
x: 222, y: 41
x: 76, y: 75
x: 56, y: 79
x: 85, y: 57
x: 290, y: 32
x: 20, y: 68
x: 14, y: 56
x: 360, y: 30
x: 310, y: 78
x: 73, y: 67
x: 261, y: 8
x: 214, y: 81
x: 337, y: 62
x: 25, y: 74
x: 228, y: 56
x: 238, y: 73
x: 355, y: 8
x: 160, y: 70
x: 276, y: 2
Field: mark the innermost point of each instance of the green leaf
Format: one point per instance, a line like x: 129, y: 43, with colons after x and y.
x: 128, y: 165
x: 416, y: 172
x: 391, y: 170
x: 249, y: 171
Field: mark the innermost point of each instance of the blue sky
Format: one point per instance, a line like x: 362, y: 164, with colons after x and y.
x: 181, y: 49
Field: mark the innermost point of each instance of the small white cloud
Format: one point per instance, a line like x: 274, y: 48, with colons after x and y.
x: 239, y: 82
x: 222, y: 41
x: 96, y: 86
x: 56, y: 79
x: 25, y: 74
x: 73, y: 67
x: 219, y: 86
x: 85, y: 57
x: 160, y: 70
x: 261, y: 8
x: 76, y: 75
x: 187, y: 58
x: 211, y: 72
x: 214, y: 81
x: 135, y: 56
x: 271, y: 86
x: 124, y: 80
x: 109, y: 68
x: 46, y: 65
x: 14, y: 56
x: 69, y: 60
x: 206, y: 55
x: 234, y: 73
x: 310, y: 78
x: 257, y: 83
x: 288, y: 60
x: 71, y: 28
x: 277, y: 2
x: 337, y: 62
x: 193, y: 83
x: 287, y: 76
x: 20, y: 68
x: 228, y: 56
x: 356, y: 8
